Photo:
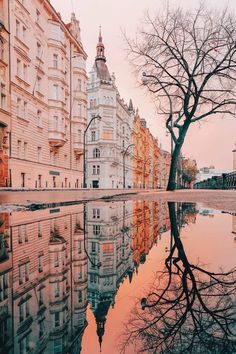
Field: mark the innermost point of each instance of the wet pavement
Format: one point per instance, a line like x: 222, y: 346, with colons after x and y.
x: 118, y: 277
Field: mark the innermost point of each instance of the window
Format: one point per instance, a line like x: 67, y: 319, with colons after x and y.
x: 37, y: 16
x: 96, y: 230
x: 3, y: 287
x: 18, y: 148
x: 38, y: 83
x: 18, y: 67
x: 39, y: 119
x: 55, y: 61
x: 93, y: 135
x: 40, y: 234
x: 2, y: 96
x: 18, y: 107
x: 23, y: 273
x: 93, y: 247
x: 55, y: 122
x: 39, y: 152
x: 25, y: 150
x: 79, y: 136
x: 96, y: 169
x: 56, y: 259
x: 25, y: 105
x: 24, y: 311
x: 17, y: 28
x: 25, y: 69
x: 96, y: 153
x: 41, y: 328
x: 56, y: 319
x: 40, y: 297
x: 80, y: 296
x: 40, y: 264
x: 79, y: 85
x: 39, y: 50
x: 24, y: 344
x: 24, y: 33
x: 22, y: 234
x: 56, y: 289
x: 96, y: 213
x: 55, y: 95
x: 79, y: 246
x: 80, y: 274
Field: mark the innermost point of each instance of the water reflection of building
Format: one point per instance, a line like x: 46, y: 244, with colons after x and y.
x: 5, y: 280
x: 150, y: 220
x: 48, y: 281
x: 120, y: 235
x: 110, y: 245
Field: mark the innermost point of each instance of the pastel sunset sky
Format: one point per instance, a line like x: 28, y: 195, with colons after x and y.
x: 210, y: 143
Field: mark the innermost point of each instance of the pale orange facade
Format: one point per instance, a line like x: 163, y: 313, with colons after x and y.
x: 146, y: 156
x: 5, y: 111
x: 48, y: 97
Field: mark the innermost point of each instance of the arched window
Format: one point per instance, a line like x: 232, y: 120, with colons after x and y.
x: 96, y: 153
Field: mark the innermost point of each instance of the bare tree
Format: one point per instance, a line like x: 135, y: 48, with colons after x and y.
x: 187, y: 60
x: 189, y: 309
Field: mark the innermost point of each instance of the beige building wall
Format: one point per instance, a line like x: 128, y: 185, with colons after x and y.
x: 48, y: 86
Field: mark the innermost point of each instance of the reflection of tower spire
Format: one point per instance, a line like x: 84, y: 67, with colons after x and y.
x: 100, y: 316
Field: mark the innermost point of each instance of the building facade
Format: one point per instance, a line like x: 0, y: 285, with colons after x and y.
x: 108, y: 157
x: 5, y: 110
x: 48, y: 97
x: 146, y: 159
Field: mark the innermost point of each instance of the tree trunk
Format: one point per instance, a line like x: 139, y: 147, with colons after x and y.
x: 175, y: 157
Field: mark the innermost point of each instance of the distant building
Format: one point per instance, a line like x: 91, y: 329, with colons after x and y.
x: 164, y: 168
x: 108, y: 139
x: 146, y: 156
x: 208, y: 172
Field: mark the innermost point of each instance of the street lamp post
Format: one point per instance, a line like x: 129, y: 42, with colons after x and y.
x: 124, y: 153
x: 84, y: 162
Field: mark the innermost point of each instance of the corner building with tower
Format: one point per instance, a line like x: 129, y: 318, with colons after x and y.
x: 107, y: 139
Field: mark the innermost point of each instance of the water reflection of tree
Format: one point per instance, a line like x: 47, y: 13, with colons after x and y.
x: 189, y: 309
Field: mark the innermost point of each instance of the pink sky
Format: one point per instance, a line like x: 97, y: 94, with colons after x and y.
x: 210, y: 144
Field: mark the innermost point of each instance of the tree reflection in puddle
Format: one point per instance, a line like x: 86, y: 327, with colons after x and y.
x: 189, y: 308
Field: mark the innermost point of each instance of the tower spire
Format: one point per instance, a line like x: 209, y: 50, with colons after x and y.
x: 100, y: 47
x: 100, y: 34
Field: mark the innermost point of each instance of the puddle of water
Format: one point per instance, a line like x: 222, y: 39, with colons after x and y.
x: 71, y: 278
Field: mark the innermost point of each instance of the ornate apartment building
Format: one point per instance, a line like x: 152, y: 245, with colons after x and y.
x: 5, y: 111
x: 48, y: 97
x: 108, y: 138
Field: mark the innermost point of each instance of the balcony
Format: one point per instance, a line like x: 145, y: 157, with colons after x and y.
x: 56, y: 135
x: 78, y: 148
